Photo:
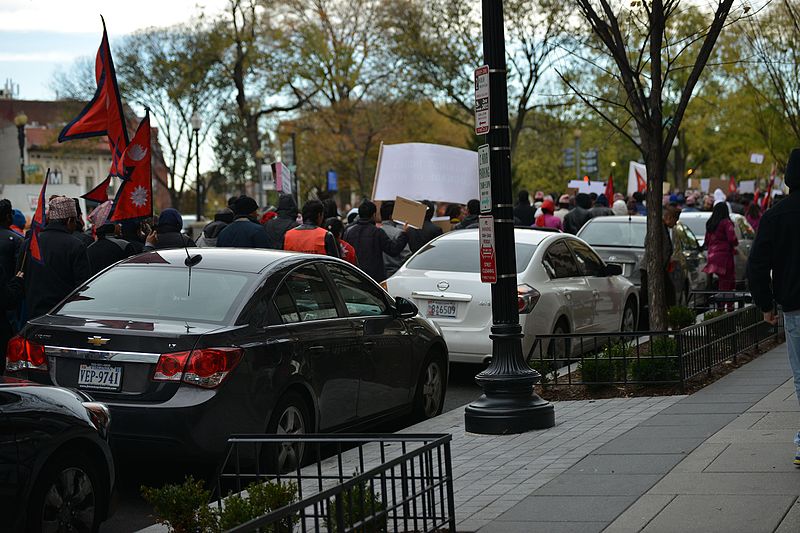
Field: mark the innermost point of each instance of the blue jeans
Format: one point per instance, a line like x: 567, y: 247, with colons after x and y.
x: 792, y: 326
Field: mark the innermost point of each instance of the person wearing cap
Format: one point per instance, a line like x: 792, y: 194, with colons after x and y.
x: 563, y: 207
x: 10, y: 243
x: 208, y: 238
x: 18, y: 222
x: 244, y: 231
x: 134, y: 232
x: 107, y: 249
x: 167, y: 233
x: 285, y: 220
x: 310, y: 237
x: 64, y: 265
x: 600, y: 207
x: 547, y: 219
x: 772, y: 269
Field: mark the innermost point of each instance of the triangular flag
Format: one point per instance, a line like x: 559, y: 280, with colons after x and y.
x: 641, y: 184
x: 38, y: 221
x: 135, y: 195
x: 100, y: 193
x: 610, y: 189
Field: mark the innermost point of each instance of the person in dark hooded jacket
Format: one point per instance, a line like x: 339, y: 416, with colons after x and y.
x: 286, y: 220
x: 208, y: 239
x: 523, y: 210
x: 371, y: 242
x: 107, y: 250
x: 575, y: 219
x: 244, y: 231
x: 471, y: 220
x: 600, y: 208
x: 168, y: 232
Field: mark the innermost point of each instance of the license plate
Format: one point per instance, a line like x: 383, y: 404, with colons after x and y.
x: 442, y: 309
x: 98, y: 376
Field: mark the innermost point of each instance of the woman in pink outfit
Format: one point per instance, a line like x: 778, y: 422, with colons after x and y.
x: 753, y: 215
x: 547, y: 219
x: 721, y: 243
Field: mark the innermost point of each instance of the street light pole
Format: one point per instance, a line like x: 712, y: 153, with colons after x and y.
x: 20, y: 120
x: 509, y: 404
x: 197, y: 123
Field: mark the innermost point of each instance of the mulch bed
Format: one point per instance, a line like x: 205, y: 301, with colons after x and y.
x: 583, y: 392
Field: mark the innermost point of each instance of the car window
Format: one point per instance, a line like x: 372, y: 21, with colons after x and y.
x: 559, y: 263
x: 456, y: 255
x: 696, y: 224
x: 312, y: 298
x: 153, y: 292
x: 588, y: 262
x: 691, y: 240
x: 361, y: 297
x: 284, y: 305
x: 623, y: 233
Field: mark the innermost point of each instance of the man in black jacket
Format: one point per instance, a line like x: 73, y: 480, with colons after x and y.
x: 776, y: 251
x: 575, y: 219
x: 524, y: 211
x: 286, y: 220
x: 168, y: 232
x: 107, y: 249
x: 371, y: 242
x: 64, y: 264
x: 471, y: 220
x: 417, y: 238
x: 10, y: 242
x: 244, y: 231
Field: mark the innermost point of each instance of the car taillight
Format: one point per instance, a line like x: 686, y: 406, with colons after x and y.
x: 23, y: 354
x: 206, y: 367
x: 527, y: 297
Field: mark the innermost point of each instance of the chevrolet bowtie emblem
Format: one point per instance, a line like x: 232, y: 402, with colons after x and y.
x: 97, y: 341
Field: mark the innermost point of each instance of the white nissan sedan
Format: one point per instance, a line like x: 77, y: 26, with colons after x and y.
x: 564, y: 287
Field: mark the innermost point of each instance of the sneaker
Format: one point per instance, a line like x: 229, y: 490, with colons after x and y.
x: 797, y: 457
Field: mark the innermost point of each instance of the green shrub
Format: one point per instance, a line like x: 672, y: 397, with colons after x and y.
x: 357, y: 504
x: 607, y: 367
x: 182, y: 508
x: 544, y: 367
x: 262, y: 498
x: 710, y: 315
x: 679, y: 317
x: 660, y: 364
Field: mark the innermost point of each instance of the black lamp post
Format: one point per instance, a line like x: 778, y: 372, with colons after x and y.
x: 509, y: 404
x: 197, y: 123
x: 20, y: 121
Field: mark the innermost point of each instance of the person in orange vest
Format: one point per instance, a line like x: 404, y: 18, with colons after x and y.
x: 309, y: 237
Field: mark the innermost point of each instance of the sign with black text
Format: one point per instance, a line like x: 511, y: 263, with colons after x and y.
x: 485, y: 178
x: 488, y: 257
x: 482, y: 119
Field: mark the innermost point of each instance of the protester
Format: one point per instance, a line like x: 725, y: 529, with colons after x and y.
x: 691, y: 204
x: 641, y: 209
x: 523, y: 210
x: 417, y: 238
x: 331, y: 209
x: 64, y: 265
x: 352, y: 216
x: 283, y: 222
x: 244, y: 231
x: 309, y: 237
x: 632, y: 210
x: 547, y: 219
x: 708, y: 203
x: 600, y: 208
x: 10, y: 243
x: 538, y: 199
x: 563, y: 207
x: 669, y: 218
x: 346, y: 251
x: 167, y: 233
x: 11, y: 295
x: 208, y: 237
x: 579, y: 216
x: 107, y: 249
x: 620, y: 208
x: 772, y: 269
x: 134, y: 232
x: 471, y: 220
x: 18, y: 222
x: 753, y: 215
x: 370, y: 242
x: 453, y: 212
x: 393, y: 230
x: 721, y: 243
x: 82, y: 233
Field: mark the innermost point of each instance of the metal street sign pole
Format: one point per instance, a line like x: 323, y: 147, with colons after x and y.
x: 509, y: 404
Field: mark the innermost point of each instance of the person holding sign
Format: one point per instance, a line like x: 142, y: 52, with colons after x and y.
x: 371, y: 242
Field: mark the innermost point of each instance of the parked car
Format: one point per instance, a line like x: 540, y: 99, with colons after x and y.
x: 564, y: 287
x: 620, y: 240
x: 56, y: 469
x: 744, y: 233
x: 244, y: 341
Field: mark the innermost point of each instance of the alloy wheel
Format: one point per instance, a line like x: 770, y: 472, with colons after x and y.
x: 290, y: 454
x: 432, y: 389
x: 628, y: 319
x: 69, y: 502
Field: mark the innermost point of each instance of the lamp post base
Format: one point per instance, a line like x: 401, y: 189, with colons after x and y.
x: 500, y: 415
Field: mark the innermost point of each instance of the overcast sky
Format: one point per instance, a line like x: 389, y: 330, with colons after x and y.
x: 39, y: 36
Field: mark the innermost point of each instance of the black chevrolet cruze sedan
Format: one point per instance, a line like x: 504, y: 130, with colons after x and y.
x: 56, y: 470
x: 189, y: 349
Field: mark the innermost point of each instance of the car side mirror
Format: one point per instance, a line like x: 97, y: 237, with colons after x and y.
x: 613, y: 270
x: 405, y: 308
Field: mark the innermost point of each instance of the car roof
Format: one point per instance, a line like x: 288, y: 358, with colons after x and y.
x: 237, y: 259
x: 707, y: 214
x: 619, y: 219
x: 523, y: 235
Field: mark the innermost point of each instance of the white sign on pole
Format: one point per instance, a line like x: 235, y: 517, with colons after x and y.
x: 482, y: 118
x: 485, y: 178
x: 488, y: 257
x: 756, y: 159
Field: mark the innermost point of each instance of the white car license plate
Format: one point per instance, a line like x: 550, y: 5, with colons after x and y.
x: 98, y: 376
x: 442, y: 309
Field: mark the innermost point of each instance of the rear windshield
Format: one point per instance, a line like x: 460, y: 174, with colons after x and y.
x: 461, y: 256
x: 696, y: 224
x: 623, y: 234
x: 153, y: 292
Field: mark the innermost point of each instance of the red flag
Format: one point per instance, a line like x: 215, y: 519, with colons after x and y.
x: 610, y: 189
x: 38, y: 222
x: 135, y: 195
x: 756, y: 197
x: 732, y: 185
x: 768, y: 195
x: 641, y: 184
x: 100, y: 193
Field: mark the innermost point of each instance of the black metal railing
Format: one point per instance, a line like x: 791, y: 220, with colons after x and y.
x: 712, y: 300
x: 353, y: 483
x: 650, y: 357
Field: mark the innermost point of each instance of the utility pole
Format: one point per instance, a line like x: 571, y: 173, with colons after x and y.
x: 509, y: 404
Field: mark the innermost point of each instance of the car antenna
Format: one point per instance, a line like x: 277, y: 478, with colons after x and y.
x: 190, y: 261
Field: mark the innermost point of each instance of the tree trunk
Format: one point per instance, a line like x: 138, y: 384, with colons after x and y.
x: 656, y: 162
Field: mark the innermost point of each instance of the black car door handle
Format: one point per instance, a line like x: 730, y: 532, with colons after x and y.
x: 369, y: 345
x: 316, y: 349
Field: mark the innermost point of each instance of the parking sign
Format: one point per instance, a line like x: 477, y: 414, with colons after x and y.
x: 488, y: 258
x: 482, y: 119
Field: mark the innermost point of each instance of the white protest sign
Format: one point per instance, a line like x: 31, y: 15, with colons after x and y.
x: 426, y: 172
x: 705, y: 184
x: 485, y: 178
x: 756, y: 159
x: 748, y: 186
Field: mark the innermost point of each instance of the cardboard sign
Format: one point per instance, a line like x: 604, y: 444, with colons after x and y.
x: 443, y: 222
x: 488, y: 257
x: 409, y: 212
x: 482, y: 119
x: 485, y: 178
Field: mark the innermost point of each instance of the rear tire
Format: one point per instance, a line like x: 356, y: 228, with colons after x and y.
x: 431, y: 388
x: 560, y: 347
x: 290, y: 417
x: 629, y: 316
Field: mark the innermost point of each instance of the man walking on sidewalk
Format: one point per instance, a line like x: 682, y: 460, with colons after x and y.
x: 776, y: 250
